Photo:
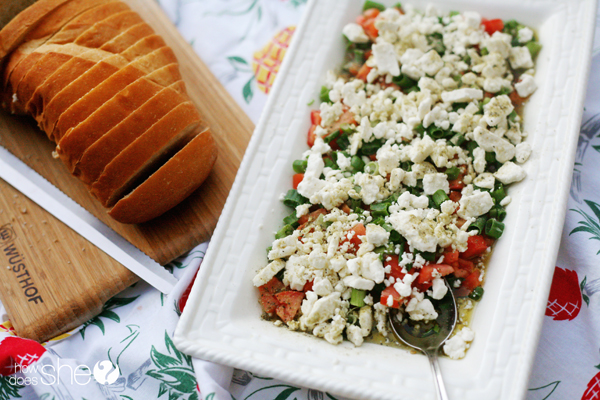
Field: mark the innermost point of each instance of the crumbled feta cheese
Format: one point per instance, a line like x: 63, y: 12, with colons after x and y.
x: 520, y: 57
x: 385, y: 58
x: 268, y: 272
x: 524, y: 35
x: 376, y: 235
x: 434, y: 182
x: 475, y: 203
x: 355, y: 33
x: 439, y: 288
x: 526, y: 86
x: 523, y: 151
x: 283, y: 247
x: 462, y: 95
x: 509, y: 173
x: 456, y: 346
x: 421, y: 309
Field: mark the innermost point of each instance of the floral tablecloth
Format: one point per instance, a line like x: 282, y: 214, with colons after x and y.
x: 126, y: 352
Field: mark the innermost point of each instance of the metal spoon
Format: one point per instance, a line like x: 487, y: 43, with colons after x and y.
x: 429, y: 337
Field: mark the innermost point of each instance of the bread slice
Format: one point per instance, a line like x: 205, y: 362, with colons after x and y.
x: 62, y: 76
x: 170, y: 184
x: 125, y: 39
x: 78, y: 66
x: 41, y: 70
x: 13, y: 34
x: 73, y: 12
x: 143, y: 46
x: 107, y: 29
x: 143, y: 155
x: 76, y: 89
x: 74, y: 143
x: 81, y: 109
x: 106, y: 148
x: 72, y: 30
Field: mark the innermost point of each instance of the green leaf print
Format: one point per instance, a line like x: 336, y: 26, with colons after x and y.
x: 9, y: 390
x: 111, y: 304
x: 239, y: 64
x: 210, y: 396
x: 248, y: 91
x: 283, y: 395
x: 590, y: 224
x: 547, y: 387
x: 174, y: 371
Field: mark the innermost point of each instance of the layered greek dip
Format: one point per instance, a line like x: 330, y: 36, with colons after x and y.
x: 405, y: 182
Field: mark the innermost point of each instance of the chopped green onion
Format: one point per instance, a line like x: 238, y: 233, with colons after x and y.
x: 371, y: 147
x: 397, y: 238
x: 347, y: 129
x: 490, y: 157
x: 498, y: 194
x: 285, y: 231
x: 420, y: 129
x: 458, y: 106
x: 484, y: 51
x: 453, y: 173
x: 404, y: 81
x: 498, y: 212
x: 476, y: 294
x: 330, y: 163
x: 387, y: 227
x: 343, y: 142
x: 358, y: 165
x: 486, y: 100
x: 371, y: 4
x: 457, y: 139
x: 438, y: 198
x: 478, y: 225
x: 357, y: 298
x: 372, y: 168
x: 389, y: 249
x: 494, y: 228
x: 413, y: 89
x: 534, y: 48
x: 472, y: 145
x: 379, y: 210
x: 294, y: 199
x: 332, y: 136
x: 359, y: 56
x: 269, y: 249
x: 513, y: 116
x: 427, y: 255
x: 454, y: 13
x: 310, y: 103
x: 324, y: 95
x: 300, y: 166
x: 291, y: 219
x: 435, y: 132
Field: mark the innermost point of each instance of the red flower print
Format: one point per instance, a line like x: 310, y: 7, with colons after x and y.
x: 565, y: 297
x: 15, y: 351
x: 186, y: 294
x: 592, y: 391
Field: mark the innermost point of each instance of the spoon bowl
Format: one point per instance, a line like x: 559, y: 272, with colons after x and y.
x: 429, y: 336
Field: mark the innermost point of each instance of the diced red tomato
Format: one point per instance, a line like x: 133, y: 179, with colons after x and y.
x: 395, y: 269
x: 373, y: 157
x: 390, y: 292
x: 308, y: 286
x: 346, y: 209
x: 488, y: 95
x: 476, y: 246
x: 455, y: 196
x: 516, y: 99
x: 426, y: 273
x: 451, y: 256
x: 272, y: 287
x: 268, y: 302
x: 289, y: 304
x: 315, y: 119
x: 456, y: 184
x: 466, y: 265
x: 492, y: 25
x: 460, y: 222
x: 460, y: 273
x: 371, y: 13
x: 369, y: 28
x: 311, y: 217
x: 472, y: 281
x: 356, y: 231
x: 363, y: 72
x: 296, y: 179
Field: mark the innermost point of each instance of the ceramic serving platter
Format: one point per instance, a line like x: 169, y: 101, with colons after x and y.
x: 222, y: 323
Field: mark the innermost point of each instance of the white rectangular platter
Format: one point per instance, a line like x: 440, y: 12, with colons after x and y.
x: 222, y: 320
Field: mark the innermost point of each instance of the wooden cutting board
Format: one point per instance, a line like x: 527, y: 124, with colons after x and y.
x: 51, y: 279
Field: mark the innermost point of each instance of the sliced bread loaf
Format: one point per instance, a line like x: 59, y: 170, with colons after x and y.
x: 181, y: 175
x: 110, y: 145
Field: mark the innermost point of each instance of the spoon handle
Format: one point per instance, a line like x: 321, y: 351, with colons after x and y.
x: 437, y: 374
